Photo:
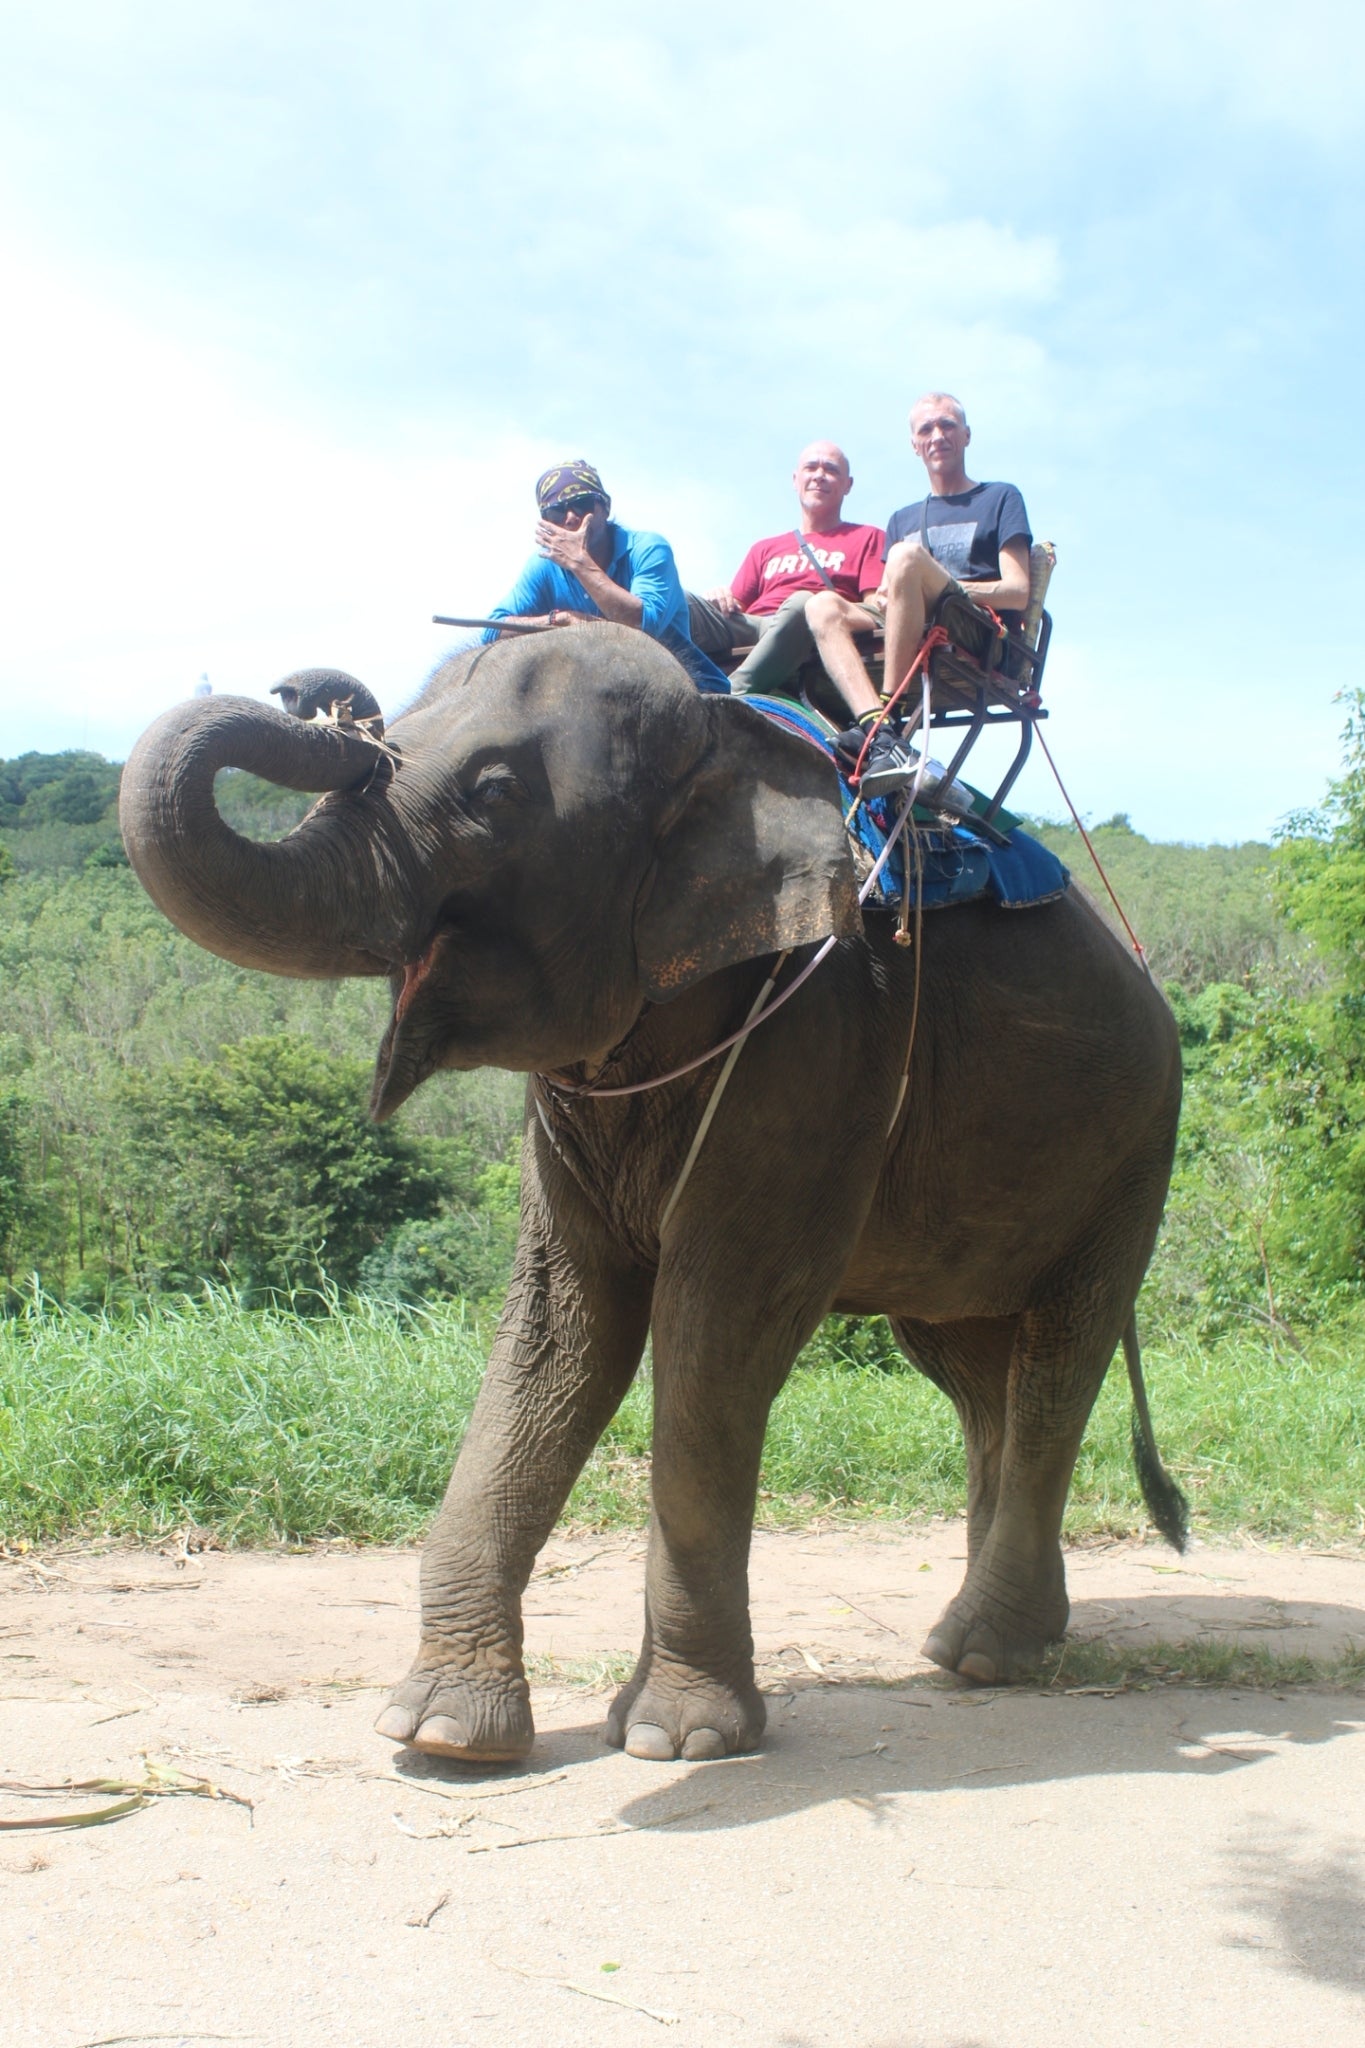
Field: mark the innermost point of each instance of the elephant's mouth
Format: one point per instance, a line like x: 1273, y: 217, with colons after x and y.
x: 408, y: 1053
x: 399, y: 1070
x: 404, y: 1061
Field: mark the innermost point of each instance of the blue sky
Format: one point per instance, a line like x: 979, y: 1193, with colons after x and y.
x: 302, y: 297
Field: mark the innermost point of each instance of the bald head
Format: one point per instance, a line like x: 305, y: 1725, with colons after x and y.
x: 823, y: 481
x: 824, y: 451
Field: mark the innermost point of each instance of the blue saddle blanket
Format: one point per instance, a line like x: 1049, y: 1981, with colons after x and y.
x: 956, y: 864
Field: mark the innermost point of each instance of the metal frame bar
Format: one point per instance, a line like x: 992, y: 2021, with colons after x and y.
x: 975, y: 717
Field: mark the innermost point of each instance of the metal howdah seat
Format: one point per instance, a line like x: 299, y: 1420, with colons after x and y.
x: 983, y: 675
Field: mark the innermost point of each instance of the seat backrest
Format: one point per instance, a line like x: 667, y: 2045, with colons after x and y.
x: 1042, y: 560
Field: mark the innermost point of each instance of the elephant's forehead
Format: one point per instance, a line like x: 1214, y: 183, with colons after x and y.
x: 593, y: 736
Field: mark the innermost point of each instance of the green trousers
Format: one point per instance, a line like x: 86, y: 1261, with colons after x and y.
x: 779, y: 642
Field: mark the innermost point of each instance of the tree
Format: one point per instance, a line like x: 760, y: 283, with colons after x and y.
x: 467, y: 1250
x: 1321, y: 862
x: 267, y: 1168
x: 15, y: 1175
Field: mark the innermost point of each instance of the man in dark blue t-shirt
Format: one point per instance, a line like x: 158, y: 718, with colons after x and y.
x: 975, y: 536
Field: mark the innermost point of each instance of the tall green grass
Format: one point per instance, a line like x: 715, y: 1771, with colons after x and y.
x: 265, y: 1426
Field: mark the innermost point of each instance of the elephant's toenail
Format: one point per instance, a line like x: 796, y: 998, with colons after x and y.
x: 701, y: 1744
x: 978, y: 1667
x: 397, y: 1723
x: 440, y: 1736
x: 645, y: 1740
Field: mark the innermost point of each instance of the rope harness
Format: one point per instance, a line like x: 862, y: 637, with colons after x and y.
x: 1137, y: 944
x: 760, y: 1011
x: 763, y: 1006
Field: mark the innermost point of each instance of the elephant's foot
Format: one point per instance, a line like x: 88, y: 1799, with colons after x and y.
x: 475, y: 1706
x: 993, y: 1641
x: 670, y: 1710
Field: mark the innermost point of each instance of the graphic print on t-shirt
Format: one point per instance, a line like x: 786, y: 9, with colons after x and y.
x: 831, y: 560
x: 965, y: 530
x: 778, y: 567
x: 951, y: 547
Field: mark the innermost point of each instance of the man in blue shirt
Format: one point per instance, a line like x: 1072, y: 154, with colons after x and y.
x: 970, y: 537
x: 588, y: 567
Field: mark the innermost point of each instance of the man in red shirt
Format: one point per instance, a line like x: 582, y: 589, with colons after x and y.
x: 764, y: 607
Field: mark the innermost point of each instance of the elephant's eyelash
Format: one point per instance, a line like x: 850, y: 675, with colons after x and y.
x: 498, y: 785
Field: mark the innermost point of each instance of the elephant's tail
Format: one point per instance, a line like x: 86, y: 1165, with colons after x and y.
x: 1166, y: 1504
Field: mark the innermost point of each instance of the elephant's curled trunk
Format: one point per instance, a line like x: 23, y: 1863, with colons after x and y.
x: 309, y: 905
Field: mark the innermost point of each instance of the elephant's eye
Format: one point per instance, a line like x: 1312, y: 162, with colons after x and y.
x: 499, y: 785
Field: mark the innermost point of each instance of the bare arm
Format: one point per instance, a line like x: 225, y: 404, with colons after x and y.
x: 1009, y: 592
x: 570, y: 549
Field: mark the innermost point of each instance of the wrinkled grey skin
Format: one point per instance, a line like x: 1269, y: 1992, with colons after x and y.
x: 577, y: 850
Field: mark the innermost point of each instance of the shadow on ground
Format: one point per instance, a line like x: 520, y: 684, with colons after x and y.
x: 1308, y: 1901
x: 871, y: 1745
x: 1289, y: 1627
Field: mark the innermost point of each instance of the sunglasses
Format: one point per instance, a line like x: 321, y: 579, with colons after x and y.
x: 557, y: 514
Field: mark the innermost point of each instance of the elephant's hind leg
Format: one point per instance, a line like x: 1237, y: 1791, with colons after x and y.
x: 568, y: 1343
x: 1013, y: 1601
x: 970, y: 1361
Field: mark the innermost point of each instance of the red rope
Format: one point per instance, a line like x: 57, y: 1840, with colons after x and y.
x: 1138, y: 946
x: 935, y: 637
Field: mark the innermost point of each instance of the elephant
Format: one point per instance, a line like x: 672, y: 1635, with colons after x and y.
x: 572, y: 865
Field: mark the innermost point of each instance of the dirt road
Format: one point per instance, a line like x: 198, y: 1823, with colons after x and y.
x: 907, y: 1864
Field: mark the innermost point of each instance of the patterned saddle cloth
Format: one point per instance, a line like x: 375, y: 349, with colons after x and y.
x: 956, y: 865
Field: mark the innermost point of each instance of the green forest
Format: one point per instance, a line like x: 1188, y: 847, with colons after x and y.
x: 183, y: 1141
x: 167, y: 1119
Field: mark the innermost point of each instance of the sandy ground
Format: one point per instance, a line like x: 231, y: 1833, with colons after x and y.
x: 906, y: 1865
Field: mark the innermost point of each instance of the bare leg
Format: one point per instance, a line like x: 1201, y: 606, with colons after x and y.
x: 833, y: 621
x: 568, y: 1343
x: 913, y: 582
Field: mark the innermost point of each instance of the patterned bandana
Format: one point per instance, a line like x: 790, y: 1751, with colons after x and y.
x: 569, y: 480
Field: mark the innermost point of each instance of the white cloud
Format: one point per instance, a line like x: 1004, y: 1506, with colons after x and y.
x: 159, y: 522
x: 319, y: 293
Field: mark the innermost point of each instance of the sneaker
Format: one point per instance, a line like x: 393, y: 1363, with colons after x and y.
x: 890, y: 764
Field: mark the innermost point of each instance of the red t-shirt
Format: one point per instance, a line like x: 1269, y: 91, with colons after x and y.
x: 851, y: 557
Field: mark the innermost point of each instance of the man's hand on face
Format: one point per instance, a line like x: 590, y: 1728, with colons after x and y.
x: 723, y: 599
x: 568, y: 545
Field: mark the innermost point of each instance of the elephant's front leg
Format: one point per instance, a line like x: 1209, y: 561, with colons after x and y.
x: 568, y: 1344
x: 716, y: 1373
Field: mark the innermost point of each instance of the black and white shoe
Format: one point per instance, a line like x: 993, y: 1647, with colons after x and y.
x: 890, y: 765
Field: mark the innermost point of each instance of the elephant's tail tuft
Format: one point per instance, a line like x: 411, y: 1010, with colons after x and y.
x: 1166, y: 1503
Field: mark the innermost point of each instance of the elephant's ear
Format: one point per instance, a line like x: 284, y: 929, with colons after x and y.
x: 753, y: 858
